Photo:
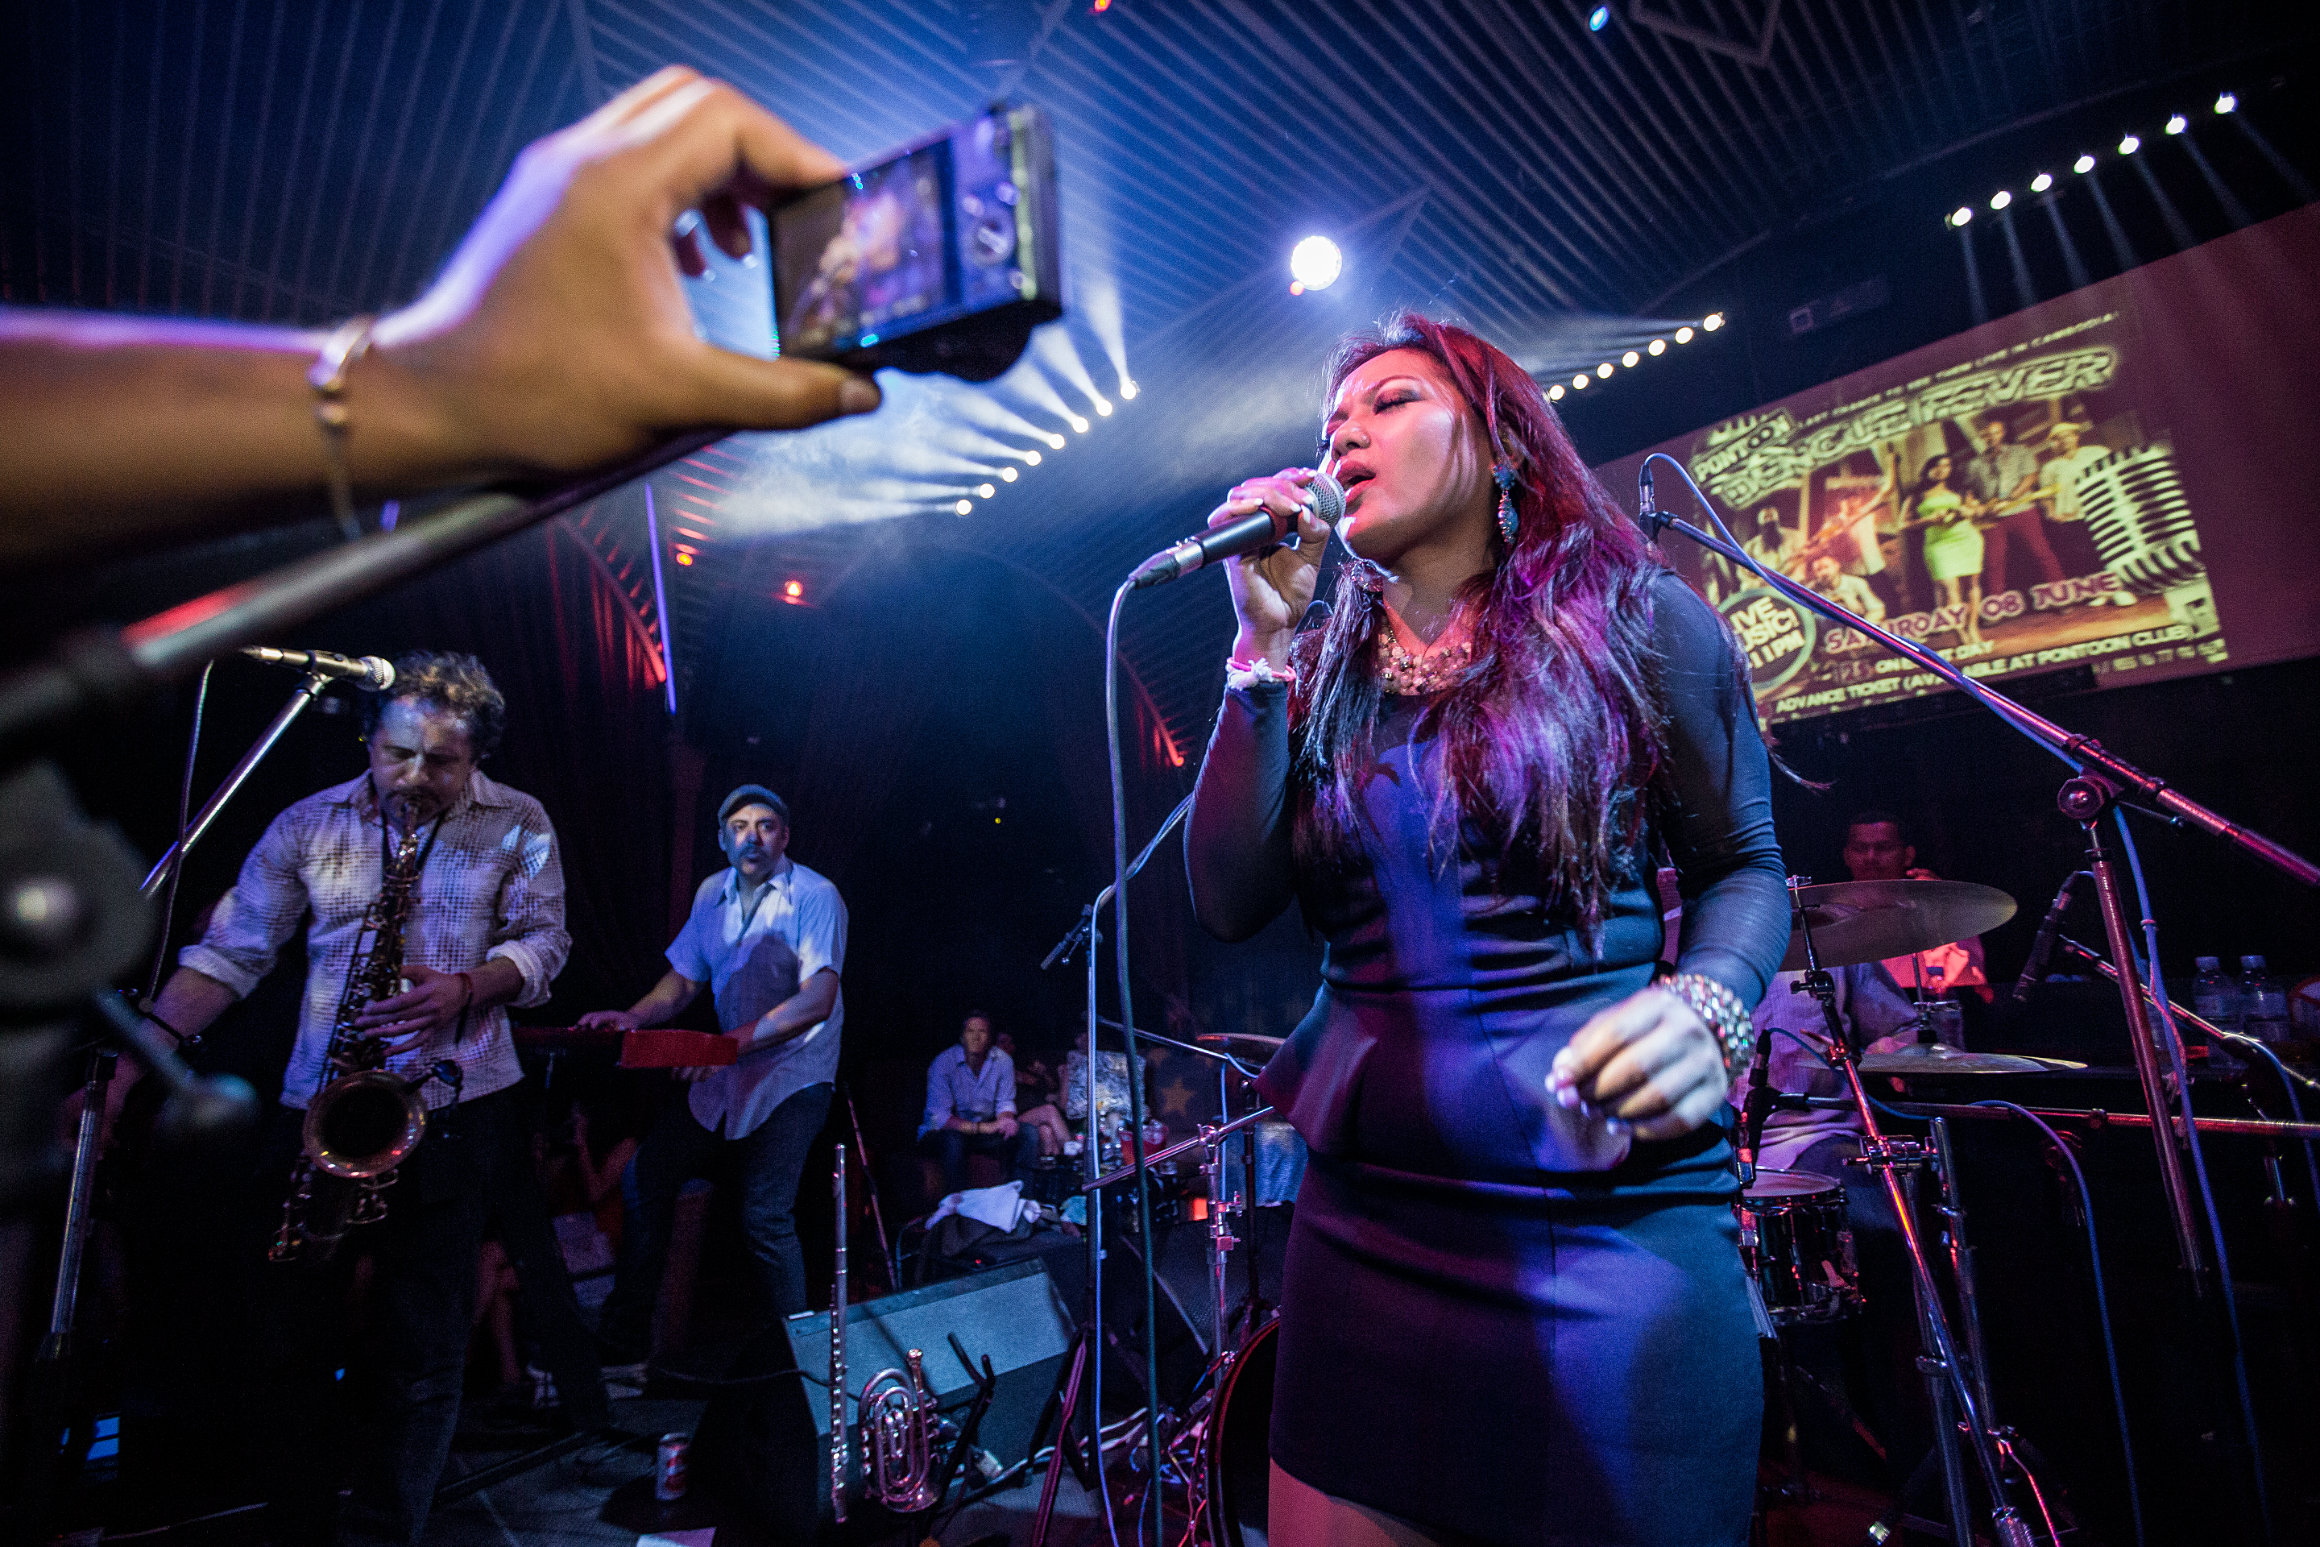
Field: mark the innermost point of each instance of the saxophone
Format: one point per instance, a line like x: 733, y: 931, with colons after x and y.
x: 362, y: 1123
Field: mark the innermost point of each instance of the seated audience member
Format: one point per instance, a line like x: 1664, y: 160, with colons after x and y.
x: 970, y: 1107
x: 1037, y: 1090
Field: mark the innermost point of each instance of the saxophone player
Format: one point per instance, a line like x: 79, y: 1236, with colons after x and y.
x: 485, y: 929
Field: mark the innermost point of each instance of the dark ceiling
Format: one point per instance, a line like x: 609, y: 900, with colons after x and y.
x: 1566, y: 192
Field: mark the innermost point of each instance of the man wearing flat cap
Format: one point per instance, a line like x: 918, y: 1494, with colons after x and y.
x: 767, y: 937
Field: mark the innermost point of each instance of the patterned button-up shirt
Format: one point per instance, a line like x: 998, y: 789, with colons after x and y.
x: 492, y: 888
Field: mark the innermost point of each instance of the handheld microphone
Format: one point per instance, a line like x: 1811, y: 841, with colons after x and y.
x: 2042, y: 948
x: 369, y: 673
x: 1325, y: 497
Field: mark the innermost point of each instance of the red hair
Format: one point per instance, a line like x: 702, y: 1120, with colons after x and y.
x: 1551, y: 734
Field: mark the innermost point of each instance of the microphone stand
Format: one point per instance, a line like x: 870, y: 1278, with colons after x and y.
x: 1087, y: 1358
x: 2099, y: 778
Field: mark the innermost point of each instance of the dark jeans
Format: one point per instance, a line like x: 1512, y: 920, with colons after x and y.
x: 421, y: 1310
x: 950, y: 1148
x: 769, y: 1161
x: 2021, y: 536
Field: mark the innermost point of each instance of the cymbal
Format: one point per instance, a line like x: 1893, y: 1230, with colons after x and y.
x: 1866, y: 921
x: 1253, y: 1039
x: 1939, y: 1058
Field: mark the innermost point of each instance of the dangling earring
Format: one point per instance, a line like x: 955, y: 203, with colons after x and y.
x: 1508, y: 522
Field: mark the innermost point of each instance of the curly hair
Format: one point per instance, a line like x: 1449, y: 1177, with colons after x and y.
x: 1551, y: 736
x: 446, y: 680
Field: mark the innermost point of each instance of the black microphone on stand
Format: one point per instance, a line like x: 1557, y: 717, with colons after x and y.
x: 1325, y: 497
x: 2042, y: 948
x: 367, y: 672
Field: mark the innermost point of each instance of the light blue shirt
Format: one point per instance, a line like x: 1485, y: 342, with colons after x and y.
x: 954, y: 1088
x: 755, y: 949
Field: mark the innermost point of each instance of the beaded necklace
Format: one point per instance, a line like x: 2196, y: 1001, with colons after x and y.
x: 1427, y: 669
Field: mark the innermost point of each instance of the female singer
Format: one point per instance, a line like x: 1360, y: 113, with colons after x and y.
x: 1513, y: 1309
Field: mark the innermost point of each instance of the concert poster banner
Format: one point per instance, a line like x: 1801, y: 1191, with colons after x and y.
x: 2024, y: 497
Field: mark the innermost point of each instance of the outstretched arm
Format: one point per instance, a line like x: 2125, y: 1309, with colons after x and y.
x: 557, y: 339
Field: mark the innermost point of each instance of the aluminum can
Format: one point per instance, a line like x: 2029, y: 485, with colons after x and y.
x: 671, y: 1462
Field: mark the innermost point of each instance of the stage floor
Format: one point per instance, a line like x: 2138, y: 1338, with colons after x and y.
x: 560, y: 1504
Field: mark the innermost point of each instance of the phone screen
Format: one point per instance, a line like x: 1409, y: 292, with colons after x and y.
x: 937, y: 233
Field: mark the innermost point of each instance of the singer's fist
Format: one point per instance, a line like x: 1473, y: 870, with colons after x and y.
x: 1270, y: 592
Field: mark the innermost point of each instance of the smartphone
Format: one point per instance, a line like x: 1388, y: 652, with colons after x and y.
x: 941, y: 257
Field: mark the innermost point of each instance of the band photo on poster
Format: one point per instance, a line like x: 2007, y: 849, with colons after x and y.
x: 2014, y: 508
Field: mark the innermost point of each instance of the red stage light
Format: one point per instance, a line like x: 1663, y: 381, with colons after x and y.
x: 795, y: 590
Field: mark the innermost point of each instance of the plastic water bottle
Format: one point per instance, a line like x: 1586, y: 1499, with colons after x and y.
x: 2263, y: 1003
x: 2215, y: 999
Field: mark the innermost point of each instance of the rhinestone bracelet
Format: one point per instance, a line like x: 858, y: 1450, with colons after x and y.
x: 1726, y: 1016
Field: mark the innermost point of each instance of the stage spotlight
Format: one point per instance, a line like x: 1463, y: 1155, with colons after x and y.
x: 685, y: 559
x: 1055, y: 443
x: 1599, y: 18
x: 1555, y: 393
x: 1657, y: 346
x: 985, y: 490
x: 1008, y: 474
x: 1630, y: 359
x: 1959, y: 216
x: 1581, y: 379
x: 2226, y: 103
x: 1712, y: 321
x: 1031, y: 457
x: 1683, y: 335
x: 2042, y: 182
x: 1128, y: 391
x: 965, y: 507
x: 2083, y: 165
x: 1604, y: 370
x: 2177, y: 124
x: 2129, y: 145
x: 1103, y: 408
x: 1315, y: 263
x: 2001, y: 199
x: 793, y: 590
x: 1078, y: 424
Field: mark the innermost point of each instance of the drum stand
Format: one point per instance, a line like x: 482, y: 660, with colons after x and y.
x: 1954, y: 1380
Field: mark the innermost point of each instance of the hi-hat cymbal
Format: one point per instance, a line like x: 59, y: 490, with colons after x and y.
x: 1866, y: 921
x: 1939, y: 1058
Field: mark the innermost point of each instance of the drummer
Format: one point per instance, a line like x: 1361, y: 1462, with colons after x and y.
x: 1877, y: 848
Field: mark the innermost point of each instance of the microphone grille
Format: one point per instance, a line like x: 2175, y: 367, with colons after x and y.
x: 1328, y: 498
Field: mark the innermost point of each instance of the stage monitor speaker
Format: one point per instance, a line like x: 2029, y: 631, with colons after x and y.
x: 762, y: 1444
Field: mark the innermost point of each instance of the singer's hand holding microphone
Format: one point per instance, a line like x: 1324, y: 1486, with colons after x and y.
x: 1271, y: 533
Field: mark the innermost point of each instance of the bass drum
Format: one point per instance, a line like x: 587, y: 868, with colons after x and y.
x: 1240, y: 1450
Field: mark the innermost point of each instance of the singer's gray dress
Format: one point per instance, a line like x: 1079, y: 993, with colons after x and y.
x: 1497, y: 1322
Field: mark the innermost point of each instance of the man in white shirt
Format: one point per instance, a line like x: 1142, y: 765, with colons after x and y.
x: 767, y: 937
x: 970, y: 1107
x: 487, y: 931
x: 2058, y: 488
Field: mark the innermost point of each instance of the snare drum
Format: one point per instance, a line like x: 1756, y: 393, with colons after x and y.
x: 1795, y: 1242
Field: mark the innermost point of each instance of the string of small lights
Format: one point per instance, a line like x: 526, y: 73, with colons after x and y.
x: 2129, y: 144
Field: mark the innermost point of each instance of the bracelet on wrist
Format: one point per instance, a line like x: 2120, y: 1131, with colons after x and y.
x: 1726, y: 1017
x: 1243, y: 671
x: 348, y: 342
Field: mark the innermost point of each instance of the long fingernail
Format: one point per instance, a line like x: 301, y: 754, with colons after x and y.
x: 1614, y: 1127
x: 1567, y: 1097
x: 858, y: 395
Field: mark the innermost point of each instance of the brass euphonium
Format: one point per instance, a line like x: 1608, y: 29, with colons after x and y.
x: 363, y: 1123
x: 899, y: 1415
